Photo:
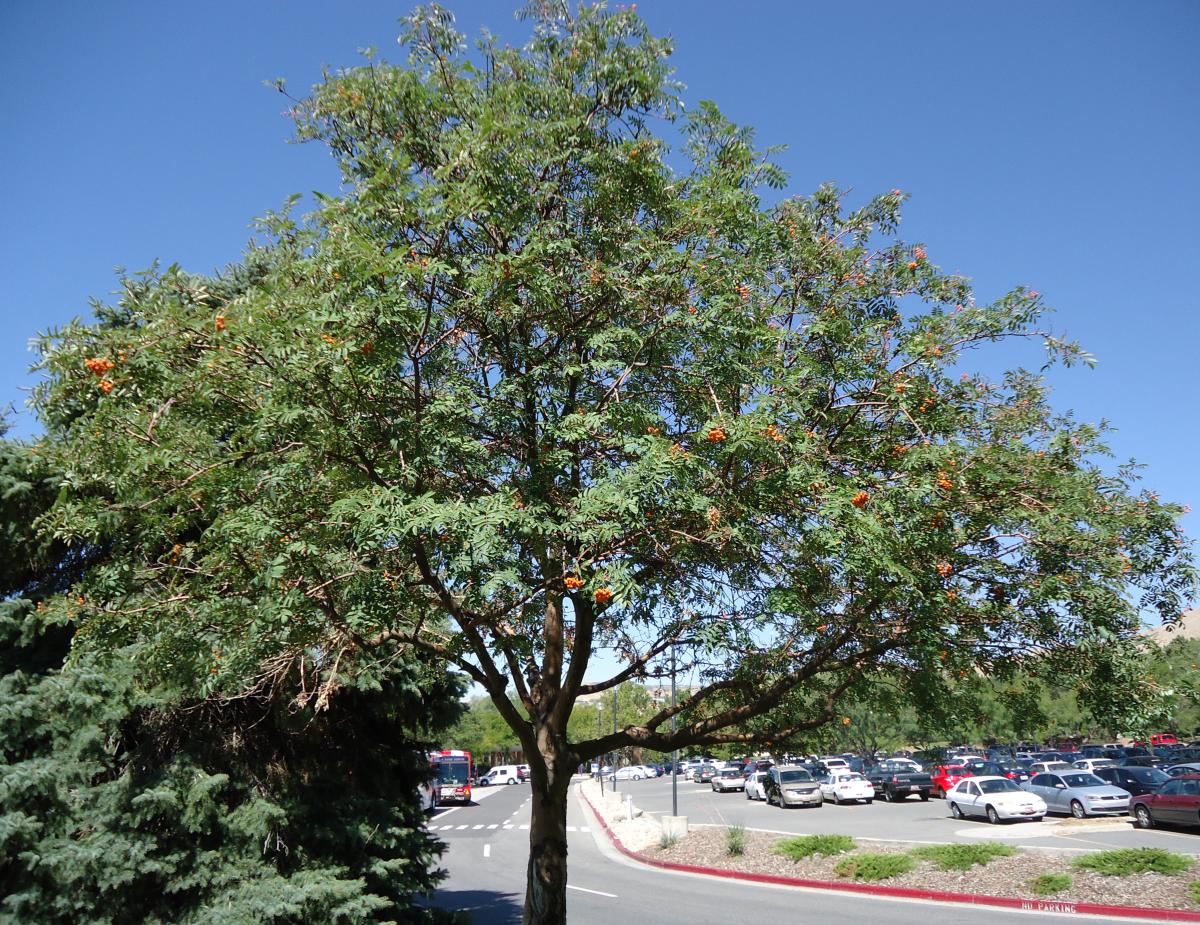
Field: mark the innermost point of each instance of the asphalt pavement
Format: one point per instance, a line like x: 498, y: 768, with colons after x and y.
x: 487, y: 849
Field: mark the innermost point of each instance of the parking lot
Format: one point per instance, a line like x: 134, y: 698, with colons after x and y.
x: 908, y: 821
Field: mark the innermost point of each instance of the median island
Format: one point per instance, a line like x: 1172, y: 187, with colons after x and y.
x: 1135, y: 878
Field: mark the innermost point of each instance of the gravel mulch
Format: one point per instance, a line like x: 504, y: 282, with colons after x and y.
x: 1005, y: 876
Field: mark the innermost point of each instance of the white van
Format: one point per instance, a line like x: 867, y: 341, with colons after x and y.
x: 502, y: 774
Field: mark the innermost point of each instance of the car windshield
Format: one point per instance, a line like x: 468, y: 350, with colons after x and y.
x: 1083, y: 780
x: 954, y: 769
x: 791, y: 777
x: 452, y: 772
x: 1151, y: 776
x: 844, y: 778
x: 730, y: 772
x: 998, y: 786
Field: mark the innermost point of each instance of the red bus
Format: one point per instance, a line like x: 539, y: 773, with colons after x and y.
x: 452, y: 775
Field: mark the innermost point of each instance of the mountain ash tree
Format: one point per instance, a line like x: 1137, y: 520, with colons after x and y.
x: 536, y: 381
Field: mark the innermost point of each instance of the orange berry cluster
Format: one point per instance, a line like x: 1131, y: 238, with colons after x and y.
x: 602, y: 595
x: 773, y: 433
x: 944, y: 482
x: 717, y: 435
x: 573, y: 583
x: 220, y: 323
x: 861, y: 499
x: 99, y: 365
x: 944, y: 569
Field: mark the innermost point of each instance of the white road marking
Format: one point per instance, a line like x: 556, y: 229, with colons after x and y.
x: 461, y: 827
x: 582, y: 889
x: 480, y: 826
x: 508, y: 826
x: 487, y: 851
x: 494, y: 825
x: 524, y: 827
x: 447, y: 812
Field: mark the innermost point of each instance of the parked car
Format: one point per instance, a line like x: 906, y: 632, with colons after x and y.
x: 523, y: 771
x: 629, y: 772
x: 846, y: 787
x: 1091, y: 764
x: 427, y: 796
x: 501, y: 774
x: 1009, y: 769
x: 1041, y: 767
x: 945, y: 776
x: 1133, y: 780
x: 706, y: 773
x: 728, y: 779
x: 1079, y: 793
x: 754, y: 786
x: 1179, y: 770
x: 1176, y: 802
x: 791, y: 786
x: 995, y: 798
x: 898, y: 780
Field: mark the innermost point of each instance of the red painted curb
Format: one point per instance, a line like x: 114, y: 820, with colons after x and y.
x: 971, y: 899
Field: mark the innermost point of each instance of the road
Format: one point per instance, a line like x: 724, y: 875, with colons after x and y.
x: 488, y: 846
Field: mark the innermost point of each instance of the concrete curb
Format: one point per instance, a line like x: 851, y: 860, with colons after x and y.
x: 970, y: 899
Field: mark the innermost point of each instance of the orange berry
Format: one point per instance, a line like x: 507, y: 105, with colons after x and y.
x: 99, y: 366
x: 602, y: 595
x: 773, y: 433
x: 944, y: 569
x: 329, y: 339
x: 573, y: 583
x: 220, y: 323
x: 653, y: 431
x: 861, y: 499
x: 368, y: 348
x: 716, y: 435
x: 106, y: 386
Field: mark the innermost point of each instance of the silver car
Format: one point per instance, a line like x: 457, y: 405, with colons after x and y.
x: 1079, y: 793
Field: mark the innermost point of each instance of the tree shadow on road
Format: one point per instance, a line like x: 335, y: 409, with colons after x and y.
x: 481, y: 907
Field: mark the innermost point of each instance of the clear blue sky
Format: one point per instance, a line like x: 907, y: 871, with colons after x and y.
x: 1050, y: 144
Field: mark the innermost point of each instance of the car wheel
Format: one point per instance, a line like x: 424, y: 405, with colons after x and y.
x: 868, y: 801
x: 993, y: 816
x: 955, y: 811
x: 748, y: 797
x: 887, y: 796
x: 1142, y: 817
x: 1077, y: 810
x: 510, y: 781
x: 924, y: 796
x: 1037, y: 818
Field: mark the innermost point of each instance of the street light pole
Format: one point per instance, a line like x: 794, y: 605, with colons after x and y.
x: 614, y: 764
x: 674, y: 751
x: 599, y: 758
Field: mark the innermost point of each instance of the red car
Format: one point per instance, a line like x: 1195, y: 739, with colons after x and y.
x: 1177, y: 802
x: 946, y: 776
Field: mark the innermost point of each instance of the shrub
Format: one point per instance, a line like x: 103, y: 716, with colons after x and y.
x: 1049, y: 884
x: 668, y: 840
x: 1195, y: 890
x: 805, y: 846
x: 963, y: 857
x: 1126, y: 861
x: 735, y: 840
x: 874, y: 866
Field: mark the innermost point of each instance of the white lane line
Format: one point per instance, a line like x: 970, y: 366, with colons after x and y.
x: 461, y: 827
x: 524, y: 827
x: 494, y: 825
x: 508, y: 826
x: 582, y: 889
x: 447, y: 812
x: 487, y: 851
x: 480, y: 826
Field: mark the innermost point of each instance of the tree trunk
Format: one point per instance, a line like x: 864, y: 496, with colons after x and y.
x: 546, y: 885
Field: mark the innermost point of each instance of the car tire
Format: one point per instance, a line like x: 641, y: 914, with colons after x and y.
x: 1142, y: 818
x: 1077, y: 810
x: 1037, y: 818
x: 510, y: 781
x: 887, y: 796
x: 869, y: 801
x: 955, y: 812
x: 925, y: 796
x: 992, y: 816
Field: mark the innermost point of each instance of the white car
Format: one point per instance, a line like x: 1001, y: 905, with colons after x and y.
x: 1090, y: 764
x: 995, y: 798
x: 754, y: 786
x: 632, y: 772
x: 728, y: 779
x: 847, y: 787
x: 835, y: 764
x: 1041, y: 767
